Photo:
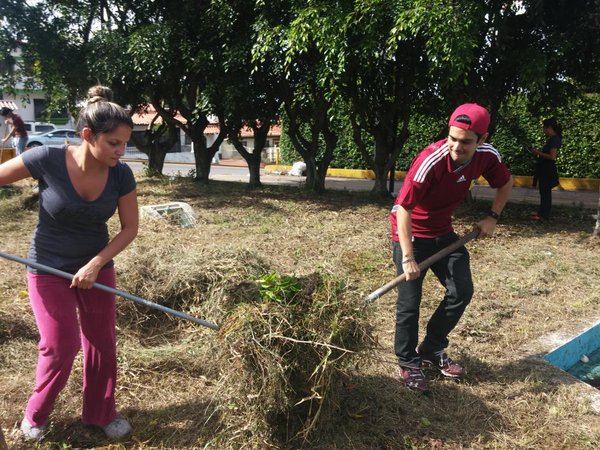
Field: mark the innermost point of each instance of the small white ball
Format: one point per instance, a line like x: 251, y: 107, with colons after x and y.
x: 584, y: 359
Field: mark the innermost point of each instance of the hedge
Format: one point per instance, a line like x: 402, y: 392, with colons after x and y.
x: 517, y: 130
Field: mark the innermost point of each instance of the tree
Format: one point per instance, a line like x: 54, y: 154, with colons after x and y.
x: 409, y: 58
x: 299, y: 47
x: 176, y: 59
x: 377, y: 64
x: 251, y: 99
x: 148, y: 51
x: 52, y: 50
x: 155, y: 142
x: 400, y: 57
x: 260, y: 130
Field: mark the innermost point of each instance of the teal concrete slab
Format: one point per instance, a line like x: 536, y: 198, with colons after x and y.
x: 568, y: 354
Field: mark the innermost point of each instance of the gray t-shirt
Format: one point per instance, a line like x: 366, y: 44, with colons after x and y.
x: 71, y: 230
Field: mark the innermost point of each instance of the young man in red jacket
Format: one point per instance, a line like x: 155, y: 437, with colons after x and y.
x: 439, y: 178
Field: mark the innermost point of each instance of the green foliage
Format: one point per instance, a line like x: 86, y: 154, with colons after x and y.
x: 448, y: 49
x: 423, y: 130
x: 381, y: 63
x: 274, y: 288
x: 518, y: 130
x: 287, y: 152
x: 579, y: 156
x: 347, y: 155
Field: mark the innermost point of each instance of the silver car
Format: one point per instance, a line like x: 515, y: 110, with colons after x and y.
x: 54, y: 137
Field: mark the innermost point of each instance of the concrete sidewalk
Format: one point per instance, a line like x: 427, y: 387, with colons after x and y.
x: 528, y: 195
x: 586, y: 199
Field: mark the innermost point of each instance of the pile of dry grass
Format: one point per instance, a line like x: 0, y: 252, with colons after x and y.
x: 283, y: 342
x: 180, y: 276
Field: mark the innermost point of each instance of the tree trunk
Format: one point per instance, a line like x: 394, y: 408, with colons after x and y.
x: 194, y: 127
x: 388, y: 145
x: 381, y: 172
x: 255, y: 158
x: 382, y: 163
x: 254, y: 169
x: 203, y: 155
x: 315, y: 178
x: 308, y: 145
x: 203, y: 159
x: 155, y: 142
x: 596, y: 232
x: 156, y: 160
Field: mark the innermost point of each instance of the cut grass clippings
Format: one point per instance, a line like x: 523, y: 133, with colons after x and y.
x: 298, y: 361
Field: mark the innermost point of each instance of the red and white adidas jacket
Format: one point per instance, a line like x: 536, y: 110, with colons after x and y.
x: 433, y: 189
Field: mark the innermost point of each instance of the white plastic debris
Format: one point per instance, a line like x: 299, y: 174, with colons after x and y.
x: 177, y: 213
x: 298, y: 169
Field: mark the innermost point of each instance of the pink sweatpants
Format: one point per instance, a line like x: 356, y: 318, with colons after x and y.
x: 55, y: 307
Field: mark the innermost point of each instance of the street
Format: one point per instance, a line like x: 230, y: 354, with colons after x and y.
x: 588, y: 199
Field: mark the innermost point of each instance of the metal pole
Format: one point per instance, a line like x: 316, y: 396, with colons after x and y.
x: 423, y: 265
x: 102, y: 287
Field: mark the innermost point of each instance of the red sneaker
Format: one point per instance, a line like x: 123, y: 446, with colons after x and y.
x: 441, y: 361
x: 413, y: 379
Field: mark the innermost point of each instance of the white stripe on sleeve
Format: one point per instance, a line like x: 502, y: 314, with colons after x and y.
x: 429, y: 162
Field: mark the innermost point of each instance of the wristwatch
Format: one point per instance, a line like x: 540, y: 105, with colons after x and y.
x: 493, y: 214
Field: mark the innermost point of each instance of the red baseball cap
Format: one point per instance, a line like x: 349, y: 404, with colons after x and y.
x: 471, y: 116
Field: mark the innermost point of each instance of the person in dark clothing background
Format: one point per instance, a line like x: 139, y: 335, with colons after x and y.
x: 546, y: 172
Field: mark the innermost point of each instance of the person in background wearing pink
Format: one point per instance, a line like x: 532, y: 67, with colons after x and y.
x: 17, y: 129
x: 80, y: 189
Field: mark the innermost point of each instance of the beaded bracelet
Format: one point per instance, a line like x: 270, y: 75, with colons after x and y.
x: 408, y: 259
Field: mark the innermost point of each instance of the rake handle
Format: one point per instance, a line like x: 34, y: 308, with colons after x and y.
x: 103, y: 287
x: 423, y: 265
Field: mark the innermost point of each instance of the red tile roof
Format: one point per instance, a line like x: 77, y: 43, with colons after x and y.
x: 274, y: 131
x: 212, y: 128
x: 146, y: 116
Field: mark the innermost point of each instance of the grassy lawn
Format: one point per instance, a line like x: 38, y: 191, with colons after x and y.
x: 534, y: 284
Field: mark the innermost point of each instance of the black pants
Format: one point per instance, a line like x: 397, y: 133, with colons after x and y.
x: 545, y: 200
x: 454, y: 273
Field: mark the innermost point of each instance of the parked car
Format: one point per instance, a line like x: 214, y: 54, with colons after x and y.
x: 39, y: 127
x: 55, y: 137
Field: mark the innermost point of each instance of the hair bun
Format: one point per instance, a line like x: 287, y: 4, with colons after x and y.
x: 99, y: 94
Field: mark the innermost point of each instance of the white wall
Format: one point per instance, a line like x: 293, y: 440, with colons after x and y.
x: 25, y: 105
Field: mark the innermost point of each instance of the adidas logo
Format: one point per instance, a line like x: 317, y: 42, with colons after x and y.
x: 461, y: 179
